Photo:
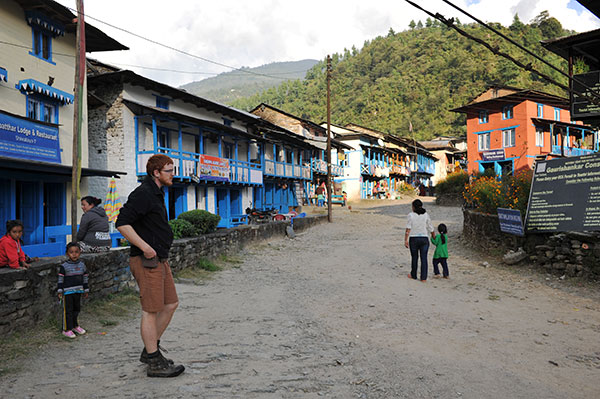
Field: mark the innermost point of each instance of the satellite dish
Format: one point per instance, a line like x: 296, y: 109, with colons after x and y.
x: 380, y: 142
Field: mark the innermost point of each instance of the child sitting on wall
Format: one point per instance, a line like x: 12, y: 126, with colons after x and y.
x: 11, y: 253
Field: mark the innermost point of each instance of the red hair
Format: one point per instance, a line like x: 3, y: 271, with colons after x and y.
x: 157, y: 162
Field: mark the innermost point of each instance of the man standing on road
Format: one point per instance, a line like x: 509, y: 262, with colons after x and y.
x: 143, y: 222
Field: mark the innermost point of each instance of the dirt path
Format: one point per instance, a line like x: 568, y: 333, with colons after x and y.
x: 333, y: 314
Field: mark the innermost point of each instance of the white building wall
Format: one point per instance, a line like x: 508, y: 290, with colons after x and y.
x: 352, y: 177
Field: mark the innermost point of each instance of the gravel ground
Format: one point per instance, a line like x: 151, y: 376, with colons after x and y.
x: 332, y: 314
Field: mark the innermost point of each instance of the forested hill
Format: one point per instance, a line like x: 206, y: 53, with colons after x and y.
x: 417, y: 76
x: 229, y: 86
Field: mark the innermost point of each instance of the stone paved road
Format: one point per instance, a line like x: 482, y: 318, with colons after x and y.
x: 332, y: 314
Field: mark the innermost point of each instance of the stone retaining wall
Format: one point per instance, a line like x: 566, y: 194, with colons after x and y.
x: 29, y: 296
x: 571, y: 254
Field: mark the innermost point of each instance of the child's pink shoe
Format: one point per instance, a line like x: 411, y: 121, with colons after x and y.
x: 69, y: 334
x: 79, y: 330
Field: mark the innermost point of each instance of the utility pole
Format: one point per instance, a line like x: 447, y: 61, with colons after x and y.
x: 80, y: 71
x: 329, y: 188
x: 410, y: 127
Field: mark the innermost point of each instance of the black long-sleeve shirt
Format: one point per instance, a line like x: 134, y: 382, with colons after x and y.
x: 145, y: 211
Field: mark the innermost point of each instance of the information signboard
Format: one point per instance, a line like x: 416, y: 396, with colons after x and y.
x: 25, y: 139
x: 582, y: 107
x: 213, y: 168
x: 510, y: 221
x: 565, y: 195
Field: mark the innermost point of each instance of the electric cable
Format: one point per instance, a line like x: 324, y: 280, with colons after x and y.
x: 174, y: 48
x: 496, y: 50
x: 502, y: 35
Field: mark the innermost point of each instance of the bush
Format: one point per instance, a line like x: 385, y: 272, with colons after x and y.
x: 486, y: 194
x: 453, y: 185
x: 203, y: 221
x: 516, y: 189
x: 405, y: 188
x: 182, y: 228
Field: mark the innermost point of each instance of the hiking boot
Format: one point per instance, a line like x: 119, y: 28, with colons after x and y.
x: 144, y: 355
x: 158, y: 366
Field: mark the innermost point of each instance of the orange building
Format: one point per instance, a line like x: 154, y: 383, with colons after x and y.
x: 508, y: 128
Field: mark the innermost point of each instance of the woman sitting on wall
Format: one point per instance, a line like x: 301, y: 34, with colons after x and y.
x: 93, y: 234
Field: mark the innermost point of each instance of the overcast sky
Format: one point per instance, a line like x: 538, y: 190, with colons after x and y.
x: 252, y: 33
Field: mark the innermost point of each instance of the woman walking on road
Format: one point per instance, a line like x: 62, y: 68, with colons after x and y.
x: 418, y: 229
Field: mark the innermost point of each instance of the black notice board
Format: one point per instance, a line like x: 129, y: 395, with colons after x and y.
x: 582, y: 106
x: 565, y: 195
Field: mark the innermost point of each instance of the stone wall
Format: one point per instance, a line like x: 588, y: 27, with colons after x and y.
x: 29, y: 296
x: 571, y: 254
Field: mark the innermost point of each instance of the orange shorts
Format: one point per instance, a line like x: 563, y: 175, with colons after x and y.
x: 157, y: 287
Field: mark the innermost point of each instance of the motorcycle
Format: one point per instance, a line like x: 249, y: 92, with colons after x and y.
x: 257, y: 216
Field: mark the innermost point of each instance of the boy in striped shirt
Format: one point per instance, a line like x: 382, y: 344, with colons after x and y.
x: 72, y: 283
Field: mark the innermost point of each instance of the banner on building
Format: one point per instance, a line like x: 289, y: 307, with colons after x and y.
x: 213, y: 168
x: 25, y: 139
x: 565, y: 195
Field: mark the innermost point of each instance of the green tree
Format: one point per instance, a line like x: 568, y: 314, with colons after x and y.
x: 412, y: 24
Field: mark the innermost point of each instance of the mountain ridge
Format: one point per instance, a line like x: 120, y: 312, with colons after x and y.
x: 229, y: 86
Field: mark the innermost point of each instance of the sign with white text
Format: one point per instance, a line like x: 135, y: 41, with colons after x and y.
x: 565, y: 195
x: 510, y: 221
x: 25, y: 139
x: 493, y: 155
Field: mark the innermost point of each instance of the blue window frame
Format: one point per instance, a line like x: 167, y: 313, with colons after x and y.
x: 227, y: 150
x: 483, y: 117
x: 162, y: 102
x: 484, y: 140
x: 42, y: 109
x: 507, y: 112
x: 540, y: 110
x: 41, y: 44
x: 557, y: 114
x: 508, y: 138
x: 539, y: 137
x: 163, y: 137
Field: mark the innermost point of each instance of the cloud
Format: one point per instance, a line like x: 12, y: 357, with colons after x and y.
x: 240, y: 33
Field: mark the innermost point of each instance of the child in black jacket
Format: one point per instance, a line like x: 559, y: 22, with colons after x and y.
x: 72, y: 282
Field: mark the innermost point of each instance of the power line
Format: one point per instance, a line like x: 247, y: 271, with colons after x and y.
x: 152, y: 68
x: 496, y: 50
x: 502, y: 35
x: 176, y: 49
x: 197, y: 72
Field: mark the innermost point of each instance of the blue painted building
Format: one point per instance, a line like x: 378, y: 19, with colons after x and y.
x: 226, y: 160
x: 315, y: 158
x: 37, y: 67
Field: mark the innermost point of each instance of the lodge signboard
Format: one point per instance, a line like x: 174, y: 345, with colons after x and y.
x: 213, y: 168
x: 493, y: 155
x: 584, y: 86
x: 565, y: 195
x: 26, y: 139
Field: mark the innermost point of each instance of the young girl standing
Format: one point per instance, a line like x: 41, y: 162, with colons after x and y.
x: 72, y: 282
x: 440, y: 256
